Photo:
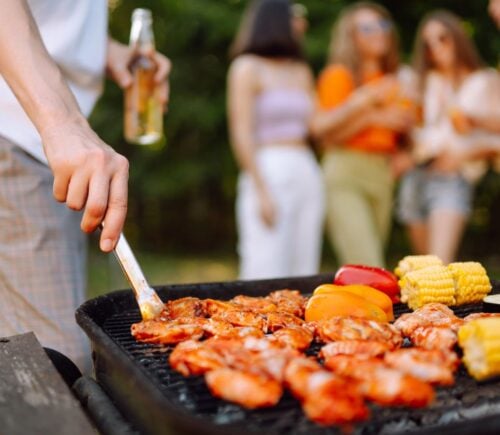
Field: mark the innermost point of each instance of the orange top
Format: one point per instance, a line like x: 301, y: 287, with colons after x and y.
x: 335, y: 84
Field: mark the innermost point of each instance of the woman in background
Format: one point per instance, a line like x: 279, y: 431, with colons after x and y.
x: 270, y: 102
x: 459, y: 99
x: 364, y: 115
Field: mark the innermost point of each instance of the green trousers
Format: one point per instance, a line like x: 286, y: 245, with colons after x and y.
x: 359, y: 205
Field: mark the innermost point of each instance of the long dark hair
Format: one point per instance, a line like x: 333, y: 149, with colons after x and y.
x: 266, y: 30
x: 466, y: 53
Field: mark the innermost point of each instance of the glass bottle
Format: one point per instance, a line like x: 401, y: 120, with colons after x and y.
x: 143, y: 110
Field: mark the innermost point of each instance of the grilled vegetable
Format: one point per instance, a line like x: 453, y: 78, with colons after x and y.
x: 411, y: 263
x: 369, y: 293
x: 430, y: 284
x: 326, y: 306
x: 375, y: 277
x: 480, y: 341
x: 471, y: 282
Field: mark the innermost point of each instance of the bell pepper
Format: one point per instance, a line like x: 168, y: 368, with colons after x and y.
x: 375, y: 277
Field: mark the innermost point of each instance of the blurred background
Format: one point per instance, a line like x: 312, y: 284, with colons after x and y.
x: 181, y: 213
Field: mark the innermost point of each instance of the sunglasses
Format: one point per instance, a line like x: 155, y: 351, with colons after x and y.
x: 379, y: 26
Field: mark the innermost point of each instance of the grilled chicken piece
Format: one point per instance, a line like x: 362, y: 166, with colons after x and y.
x: 428, y: 337
x: 241, y: 332
x: 154, y: 331
x: 290, y: 301
x: 296, y: 337
x: 185, y: 307
x: 195, y: 358
x: 381, y: 383
x: 326, y: 398
x: 280, y: 319
x: 354, y: 328
x: 476, y: 316
x: 261, y: 305
x: 246, y: 389
x: 433, y: 366
x: 359, y: 348
x: 242, y: 318
x: 434, y: 314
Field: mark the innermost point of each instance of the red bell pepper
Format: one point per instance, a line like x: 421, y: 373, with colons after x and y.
x: 375, y: 277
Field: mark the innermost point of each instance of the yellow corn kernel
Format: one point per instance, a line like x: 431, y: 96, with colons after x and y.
x: 471, y: 282
x: 480, y: 341
x: 430, y: 284
x: 416, y: 262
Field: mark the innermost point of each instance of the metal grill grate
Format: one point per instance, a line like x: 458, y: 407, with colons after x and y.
x: 467, y: 399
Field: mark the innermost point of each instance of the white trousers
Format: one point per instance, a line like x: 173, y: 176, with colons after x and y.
x: 292, y: 247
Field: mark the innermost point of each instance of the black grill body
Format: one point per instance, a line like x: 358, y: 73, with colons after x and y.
x: 158, y: 400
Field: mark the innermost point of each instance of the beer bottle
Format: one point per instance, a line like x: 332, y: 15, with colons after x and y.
x: 143, y: 111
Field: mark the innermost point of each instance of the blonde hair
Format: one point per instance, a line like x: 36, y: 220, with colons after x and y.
x: 343, y: 49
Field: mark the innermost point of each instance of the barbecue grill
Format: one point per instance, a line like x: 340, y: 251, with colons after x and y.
x: 158, y: 400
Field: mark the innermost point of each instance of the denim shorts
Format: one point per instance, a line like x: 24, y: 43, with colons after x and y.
x: 423, y: 191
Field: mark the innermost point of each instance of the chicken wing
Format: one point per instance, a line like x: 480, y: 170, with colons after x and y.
x: 290, y: 301
x: 433, y: 314
x: 429, y: 337
x: 195, y: 358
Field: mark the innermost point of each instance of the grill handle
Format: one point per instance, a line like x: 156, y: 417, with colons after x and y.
x: 148, y: 300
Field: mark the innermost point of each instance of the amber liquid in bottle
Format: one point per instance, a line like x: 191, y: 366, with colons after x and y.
x: 143, y: 110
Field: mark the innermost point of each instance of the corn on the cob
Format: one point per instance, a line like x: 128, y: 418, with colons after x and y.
x: 480, y: 341
x: 430, y: 284
x: 471, y: 282
x: 416, y: 262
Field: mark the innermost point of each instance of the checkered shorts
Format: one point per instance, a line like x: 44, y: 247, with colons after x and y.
x: 42, y: 257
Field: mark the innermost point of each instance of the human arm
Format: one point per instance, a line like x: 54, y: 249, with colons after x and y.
x: 345, y: 110
x: 118, y: 58
x: 242, y: 87
x: 88, y: 174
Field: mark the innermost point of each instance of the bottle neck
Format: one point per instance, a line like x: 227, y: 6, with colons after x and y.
x: 141, y: 35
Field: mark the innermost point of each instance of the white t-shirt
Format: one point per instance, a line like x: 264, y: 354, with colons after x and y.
x: 75, y: 34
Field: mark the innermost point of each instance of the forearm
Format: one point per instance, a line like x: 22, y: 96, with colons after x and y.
x: 346, y: 131
x: 244, y: 152
x: 30, y: 72
x: 332, y: 121
x: 491, y: 123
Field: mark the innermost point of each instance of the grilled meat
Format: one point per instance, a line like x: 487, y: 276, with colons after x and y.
x: 326, y: 398
x: 476, y: 316
x: 290, y: 301
x: 433, y: 366
x: 195, y: 358
x: 354, y: 328
x: 261, y: 305
x: 297, y: 337
x: 434, y: 314
x: 382, y: 384
x: 249, y: 390
x: 154, y: 331
x: 184, y: 307
x: 429, y: 337
x: 359, y: 348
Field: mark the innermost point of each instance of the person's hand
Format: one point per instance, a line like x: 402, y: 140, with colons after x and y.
x: 117, y: 62
x: 449, y: 162
x: 267, y: 208
x: 378, y: 92
x: 89, y: 175
x: 394, y: 117
x: 401, y: 162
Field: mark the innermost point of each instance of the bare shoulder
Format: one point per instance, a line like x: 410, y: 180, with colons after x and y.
x: 244, y: 67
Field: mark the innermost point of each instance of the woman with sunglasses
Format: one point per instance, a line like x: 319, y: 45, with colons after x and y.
x: 279, y: 204
x: 363, y: 115
x: 459, y: 98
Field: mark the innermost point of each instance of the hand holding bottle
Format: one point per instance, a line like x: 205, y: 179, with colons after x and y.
x: 117, y: 67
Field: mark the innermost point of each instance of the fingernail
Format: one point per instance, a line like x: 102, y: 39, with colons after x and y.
x: 107, y: 245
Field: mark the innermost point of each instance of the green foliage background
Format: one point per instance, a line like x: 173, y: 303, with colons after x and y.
x: 181, y: 198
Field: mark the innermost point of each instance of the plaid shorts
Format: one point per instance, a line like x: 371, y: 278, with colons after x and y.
x: 42, y: 257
